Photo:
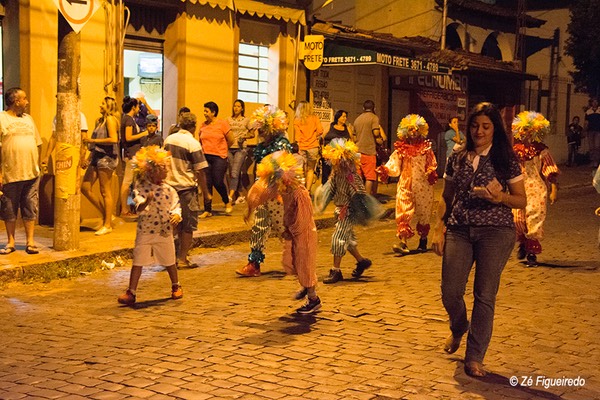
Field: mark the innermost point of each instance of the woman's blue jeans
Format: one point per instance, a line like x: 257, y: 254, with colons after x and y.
x: 237, y: 158
x: 488, y: 247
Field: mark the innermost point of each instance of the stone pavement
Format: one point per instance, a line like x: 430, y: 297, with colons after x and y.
x: 216, y: 231
x: 376, y: 338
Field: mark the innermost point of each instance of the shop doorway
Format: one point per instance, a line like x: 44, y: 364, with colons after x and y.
x: 143, y: 73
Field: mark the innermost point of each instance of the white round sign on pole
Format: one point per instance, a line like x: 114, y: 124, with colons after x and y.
x: 77, y: 12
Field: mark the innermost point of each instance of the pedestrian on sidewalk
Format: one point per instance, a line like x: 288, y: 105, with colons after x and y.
x: 307, y: 130
x: 154, y: 136
x: 352, y: 205
x: 102, y: 162
x: 592, y: 128
x: 185, y: 175
x: 367, y: 131
x: 216, y: 138
x: 131, y: 142
x: 272, y: 124
x: 238, y: 153
x: 414, y: 162
x: 278, y: 176
x: 482, y: 184
x: 337, y: 129
x: 539, y: 172
x: 574, y: 141
x: 20, y: 144
x: 157, y: 206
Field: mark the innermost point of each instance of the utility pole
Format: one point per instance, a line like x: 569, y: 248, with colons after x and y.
x: 444, y: 23
x: 552, y: 111
x: 67, y: 199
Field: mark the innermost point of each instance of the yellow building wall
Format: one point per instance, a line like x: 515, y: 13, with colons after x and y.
x: 39, y: 52
x: 206, y: 67
x: 200, y: 48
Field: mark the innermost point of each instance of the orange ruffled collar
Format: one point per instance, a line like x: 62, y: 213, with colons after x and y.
x: 413, y: 148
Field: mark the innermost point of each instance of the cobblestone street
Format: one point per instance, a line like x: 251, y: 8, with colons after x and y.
x: 377, y: 338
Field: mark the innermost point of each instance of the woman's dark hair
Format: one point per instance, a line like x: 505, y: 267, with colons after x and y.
x: 338, y: 115
x: 243, y: 107
x: 501, y: 152
x: 212, y: 106
x: 129, y: 103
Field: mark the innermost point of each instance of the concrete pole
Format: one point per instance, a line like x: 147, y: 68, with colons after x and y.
x: 67, y: 199
x: 444, y: 22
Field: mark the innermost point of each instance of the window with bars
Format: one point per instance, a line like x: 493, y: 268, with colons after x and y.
x: 253, y: 74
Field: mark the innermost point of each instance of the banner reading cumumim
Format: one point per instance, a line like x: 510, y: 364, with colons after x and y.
x: 65, y: 170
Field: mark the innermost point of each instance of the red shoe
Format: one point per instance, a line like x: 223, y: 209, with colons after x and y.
x: 251, y: 269
x: 176, y: 292
x: 127, y: 298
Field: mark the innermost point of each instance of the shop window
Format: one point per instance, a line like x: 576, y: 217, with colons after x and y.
x: 253, y: 73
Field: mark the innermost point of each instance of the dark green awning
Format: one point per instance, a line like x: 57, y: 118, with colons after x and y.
x: 335, y: 54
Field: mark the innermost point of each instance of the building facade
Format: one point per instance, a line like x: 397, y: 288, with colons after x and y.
x: 177, y: 52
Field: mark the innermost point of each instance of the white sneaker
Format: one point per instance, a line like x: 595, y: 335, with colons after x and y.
x: 103, y: 231
x: 240, y: 200
x: 228, y: 209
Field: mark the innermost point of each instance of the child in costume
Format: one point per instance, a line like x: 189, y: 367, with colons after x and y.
x: 539, y: 171
x: 277, y: 174
x: 271, y: 123
x: 414, y: 162
x: 352, y: 205
x: 157, y: 205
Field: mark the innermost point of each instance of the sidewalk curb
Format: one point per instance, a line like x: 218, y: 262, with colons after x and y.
x: 85, y: 264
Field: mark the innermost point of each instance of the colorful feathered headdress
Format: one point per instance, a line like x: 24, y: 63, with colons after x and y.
x: 279, y: 169
x: 276, y: 173
x: 531, y: 126
x: 269, y: 120
x: 150, y: 159
x: 342, y: 153
x: 412, y: 125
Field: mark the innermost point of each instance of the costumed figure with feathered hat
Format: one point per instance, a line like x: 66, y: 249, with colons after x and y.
x: 158, y: 208
x: 272, y: 124
x: 539, y: 171
x: 414, y: 162
x: 278, y: 179
x: 352, y: 205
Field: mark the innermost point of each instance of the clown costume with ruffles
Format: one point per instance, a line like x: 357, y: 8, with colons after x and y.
x: 414, y: 162
x: 540, y: 171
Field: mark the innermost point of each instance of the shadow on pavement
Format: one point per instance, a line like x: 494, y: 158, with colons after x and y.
x: 587, y: 265
x: 149, y: 303
x: 495, y: 383
x: 301, y: 323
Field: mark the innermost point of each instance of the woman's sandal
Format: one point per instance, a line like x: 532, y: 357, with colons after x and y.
x: 475, y: 369
x: 30, y: 249
x: 7, y: 250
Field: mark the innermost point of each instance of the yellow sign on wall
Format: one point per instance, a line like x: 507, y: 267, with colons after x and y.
x: 312, y: 51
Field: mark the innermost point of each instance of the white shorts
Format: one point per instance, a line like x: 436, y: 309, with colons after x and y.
x: 154, y: 249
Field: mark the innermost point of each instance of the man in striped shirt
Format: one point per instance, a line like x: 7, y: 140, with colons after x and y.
x: 186, y: 173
